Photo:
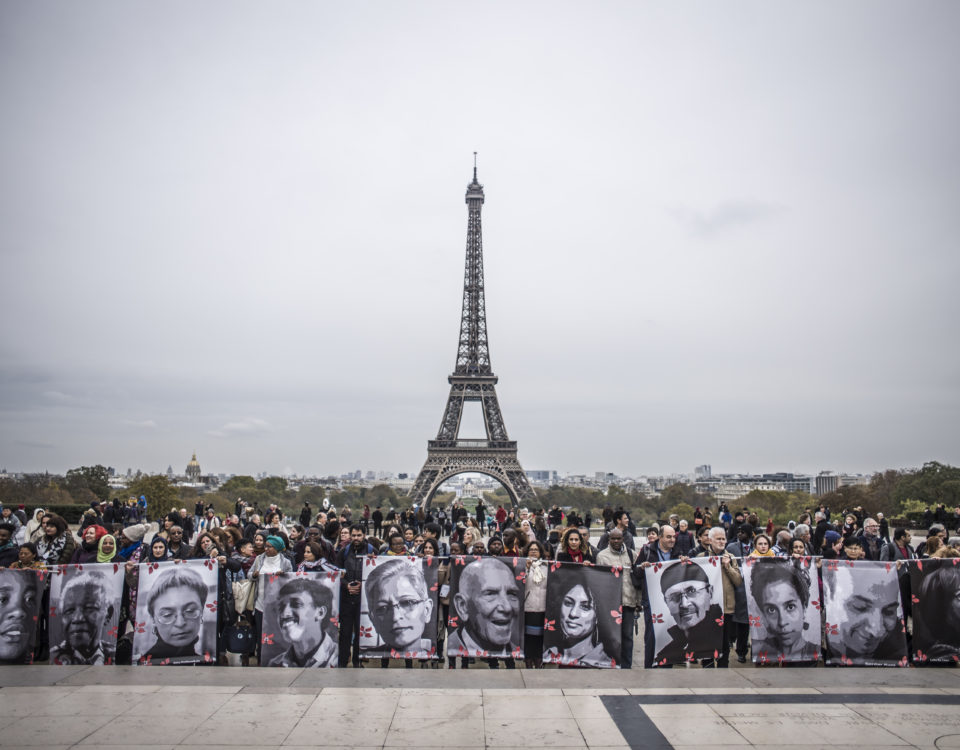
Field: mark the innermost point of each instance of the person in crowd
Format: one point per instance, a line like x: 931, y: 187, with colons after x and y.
x: 740, y: 549
x: 535, y: 602
x: 732, y: 579
x: 311, y: 559
x: 57, y: 544
x: 34, y: 526
x: 396, y: 547
x: 655, y: 552
x: 934, y: 530
x: 27, y: 559
x: 761, y: 547
x: 871, y: 540
x: 685, y: 540
x: 782, y: 593
x: 178, y: 548
x: 304, y: 609
x: 175, y: 605
x: 511, y: 546
x: 578, y: 623
x: 619, y: 555
x: 479, y: 549
x: 350, y: 560
x: 703, y: 542
x: 495, y: 546
x: 802, y: 532
x: 157, y: 551
x: 131, y: 542
x: 832, y: 545
x: 884, y: 527
x: 87, y: 550
x: 9, y: 550
x: 853, y: 548
x: 798, y: 549
x: 930, y: 547
x: 572, y: 549
x: 621, y: 520
x: 434, y: 530
x: 526, y: 532
x: 107, y: 549
x: 272, y: 561
x: 84, y: 608
x: 782, y: 547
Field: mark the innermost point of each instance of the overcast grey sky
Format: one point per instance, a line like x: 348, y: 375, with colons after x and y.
x: 718, y: 233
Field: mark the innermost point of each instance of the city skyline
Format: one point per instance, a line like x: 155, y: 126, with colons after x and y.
x: 711, y: 233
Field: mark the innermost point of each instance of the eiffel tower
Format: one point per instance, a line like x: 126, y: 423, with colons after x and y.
x: 472, y: 380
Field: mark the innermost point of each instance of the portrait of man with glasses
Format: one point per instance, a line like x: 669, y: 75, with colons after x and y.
x: 693, y: 604
x: 171, y: 613
x: 401, y: 608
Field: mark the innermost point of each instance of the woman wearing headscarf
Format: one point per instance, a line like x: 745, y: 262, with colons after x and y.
x: 158, y: 551
x: 272, y: 561
x: 57, y: 543
x: 86, y: 551
x: 107, y: 549
x: 35, y: 525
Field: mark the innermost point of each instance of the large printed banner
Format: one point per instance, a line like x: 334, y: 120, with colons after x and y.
x: 84, y: 613
x: 486, y: 607
x: 21, y: 594
x: 583, y: 615
x: 864, y: 618
x: 398, y: 608
x: 936, y: 609
x: 686, y: 604
x: 176, y: 613
x: 783, y: 603
x: 300, y: 619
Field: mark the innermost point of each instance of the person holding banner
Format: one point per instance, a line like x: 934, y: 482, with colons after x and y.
x: 662, y: 550
x: 732, y: 578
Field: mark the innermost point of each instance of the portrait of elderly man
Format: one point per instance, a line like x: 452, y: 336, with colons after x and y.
x: 302, y: 608
x: 863, y: 603
x: 488, y: 607
x: 86, y: 609
x: 688, y: 594
x: 399, y: 605
x: 20, y: 596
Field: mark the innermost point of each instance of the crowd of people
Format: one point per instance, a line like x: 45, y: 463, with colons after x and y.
x: 251, y: 544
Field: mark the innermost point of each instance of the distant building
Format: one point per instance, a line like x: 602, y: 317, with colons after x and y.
x: 702, y: 472
x: 193, y: 470
x: 825, y: 483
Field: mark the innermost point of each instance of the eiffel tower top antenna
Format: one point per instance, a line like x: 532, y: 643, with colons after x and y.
x: 474, y: 166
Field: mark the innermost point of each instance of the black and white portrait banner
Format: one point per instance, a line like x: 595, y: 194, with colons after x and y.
x: 486, y: 607
x: 935, y: 584
x: 84, y: 613
x: 583, y: 615
x: 398, y: 608
x: 783, y: 603
x: 863, y: 614
x: 21, y: 594
x: 300, y: 619
x: 686, y: 605
x: 176, y: 613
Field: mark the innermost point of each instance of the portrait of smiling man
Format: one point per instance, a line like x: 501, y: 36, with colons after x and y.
x: 20, y: 592
x: 689, y: 597
x: 863, y: 601
x: 488, y: 605
x: 86, y: 607
x: 302, y: 608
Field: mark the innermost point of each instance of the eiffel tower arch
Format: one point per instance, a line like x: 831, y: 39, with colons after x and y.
x: 472, y: 381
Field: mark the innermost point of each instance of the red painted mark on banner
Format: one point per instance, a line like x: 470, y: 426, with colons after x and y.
x: 267, y: 639
x: 549, y: 625
x: 453, y: 622
x: 617, y: 614
x: 656, y: 617
x: 719, y: 621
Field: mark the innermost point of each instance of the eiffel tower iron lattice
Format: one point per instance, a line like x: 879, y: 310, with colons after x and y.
x: 472, y: 381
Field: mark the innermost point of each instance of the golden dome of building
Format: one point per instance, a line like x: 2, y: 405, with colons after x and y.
x: 193, y: 469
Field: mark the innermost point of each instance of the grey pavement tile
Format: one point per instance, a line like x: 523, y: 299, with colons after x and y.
x: 319, y: 731
x: 173, y: 675
x: 595, y: 691
x: 441, y: 691
x: 81, y: 703
x: 714, y: 731
x: 50, y: 730
x: 435, y: 732
x: 851, y: 677
x: 148, y: 730
x: 193, y: 705
x: 543, y: 707
x: 914, y: 724
x: 113, y: 688
x: 533, y: 731
x: 586, y: 706
x: 202, y: 688
x: 38, y: 674
x: 265, y: 729
x: 260, y: 690
x: 426, y: 706
x: 660, y: 691
x: 249, y: 705
x: 695, y: 711
x: 815, y: 727
x: 522, y: 691
x: 602, y: 731
x: 347, y: 706
x: 17, y: 704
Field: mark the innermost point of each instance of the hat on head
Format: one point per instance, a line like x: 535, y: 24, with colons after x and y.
x: 746, y: 527
x: 831, y: 536
x: 135, y: 532
x: 277, y: 543
x: 681, y: 573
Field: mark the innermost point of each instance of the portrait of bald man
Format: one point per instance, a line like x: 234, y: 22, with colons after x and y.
x: 486, y: 608
x: 86, y: 607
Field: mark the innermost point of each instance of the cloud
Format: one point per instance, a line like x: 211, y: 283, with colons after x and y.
x: 725, y: 216
x: 247, y: 426
x: 146, y: 423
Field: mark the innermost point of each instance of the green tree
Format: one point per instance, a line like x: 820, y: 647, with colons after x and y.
x: 685, y: 511
x: 381, y: 495
x: 160, y: 493
x: 92, y: 478
x: 276, y: 486
x: 313, y: 494
x: 236, y: 485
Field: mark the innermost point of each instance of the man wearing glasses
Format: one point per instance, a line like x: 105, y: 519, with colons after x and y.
x: 399, y: 605
x: 688, y: 592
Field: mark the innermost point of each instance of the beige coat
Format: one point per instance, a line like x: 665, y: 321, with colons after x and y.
x: 732, y: 577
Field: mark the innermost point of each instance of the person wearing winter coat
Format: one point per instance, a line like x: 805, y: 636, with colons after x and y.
x: 57, y: 544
